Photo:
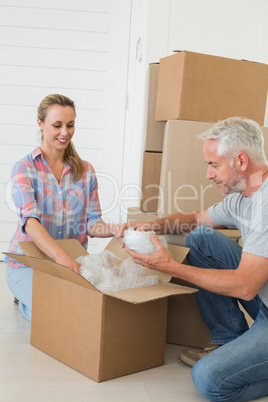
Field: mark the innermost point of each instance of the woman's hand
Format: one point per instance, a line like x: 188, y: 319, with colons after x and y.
x: 115, y: 229
x: 48, y: 245
x: 68, y: 262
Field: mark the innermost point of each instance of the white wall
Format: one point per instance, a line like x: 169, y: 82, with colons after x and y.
x: 236, y: 29
x: 79, y: 49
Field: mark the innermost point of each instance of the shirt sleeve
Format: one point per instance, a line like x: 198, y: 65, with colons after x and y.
x: 256, y: 239
x: 23, y: 194
x: 93, y: 210
x: 220, y: 212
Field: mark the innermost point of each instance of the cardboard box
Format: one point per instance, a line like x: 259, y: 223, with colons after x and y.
x: 154, y: 135
x: 194, y: 86
x: 134, y: 214
x: 100, y: 335
x: 183, y: 183
x: 265, y: 135
x: 184, y: 322
x: 150, y: 181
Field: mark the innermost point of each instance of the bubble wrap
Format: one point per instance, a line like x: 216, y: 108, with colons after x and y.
x: 140, y: 241
x: 108, y: 273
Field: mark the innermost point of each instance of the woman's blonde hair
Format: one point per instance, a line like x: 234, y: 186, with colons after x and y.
x: 70, y: 155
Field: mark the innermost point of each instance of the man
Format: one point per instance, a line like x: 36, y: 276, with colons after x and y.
x: 237, y: 367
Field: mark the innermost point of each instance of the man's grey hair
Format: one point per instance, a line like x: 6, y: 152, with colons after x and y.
x: 237, y: 134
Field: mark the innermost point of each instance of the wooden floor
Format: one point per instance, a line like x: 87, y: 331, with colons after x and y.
x: 27, y: 374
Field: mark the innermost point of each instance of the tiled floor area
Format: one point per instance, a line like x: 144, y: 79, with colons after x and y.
x: 29, y: 375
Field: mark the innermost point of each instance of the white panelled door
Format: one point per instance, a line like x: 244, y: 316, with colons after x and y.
x: 79, y: 49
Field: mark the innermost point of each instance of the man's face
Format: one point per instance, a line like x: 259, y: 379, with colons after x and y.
x: 227, y: 178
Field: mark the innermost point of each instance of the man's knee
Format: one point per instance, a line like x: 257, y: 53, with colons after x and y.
x: 211, y: 382
x: 204, y: 379
x: 197, y: 235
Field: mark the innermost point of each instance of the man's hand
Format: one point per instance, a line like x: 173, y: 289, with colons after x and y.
x: 158, y: 260
x: 136, y: 225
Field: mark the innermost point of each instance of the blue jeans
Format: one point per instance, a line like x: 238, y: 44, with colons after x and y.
x: 238, y: 370
x: 20, y: 281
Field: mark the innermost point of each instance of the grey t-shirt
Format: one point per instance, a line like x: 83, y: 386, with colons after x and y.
x: 250, y: 216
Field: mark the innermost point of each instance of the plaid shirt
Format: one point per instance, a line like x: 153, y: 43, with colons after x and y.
x: 65, y: 209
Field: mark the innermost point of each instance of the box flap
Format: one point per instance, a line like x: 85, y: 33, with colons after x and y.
x: 150, y: 293
x: 178, y: 254
x: 38, y: 261
x: 115, y: 247
x: 52, y: 268
x: 161, y: 276
x: 21, y: 258
x: 72, y: 247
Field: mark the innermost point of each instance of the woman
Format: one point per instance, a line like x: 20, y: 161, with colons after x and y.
x: 56, y: 195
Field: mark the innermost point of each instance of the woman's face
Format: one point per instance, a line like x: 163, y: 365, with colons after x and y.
x: 58, y: 127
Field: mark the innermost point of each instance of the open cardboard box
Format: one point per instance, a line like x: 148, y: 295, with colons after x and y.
x: 100, y: 335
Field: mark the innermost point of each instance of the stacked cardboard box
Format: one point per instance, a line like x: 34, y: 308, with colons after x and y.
x: 194, y: 86
x: 193, y: 92
x: 152, y: 157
